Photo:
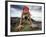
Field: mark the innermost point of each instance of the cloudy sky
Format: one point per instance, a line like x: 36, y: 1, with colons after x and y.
x: 36, y: 11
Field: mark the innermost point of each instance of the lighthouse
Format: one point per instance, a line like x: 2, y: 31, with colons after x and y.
x: 25, y: 21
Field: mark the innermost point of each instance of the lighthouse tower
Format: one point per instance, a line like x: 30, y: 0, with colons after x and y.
x: 25, y: 21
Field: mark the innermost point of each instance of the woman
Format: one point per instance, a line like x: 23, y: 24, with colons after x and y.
x: 25, y: 21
